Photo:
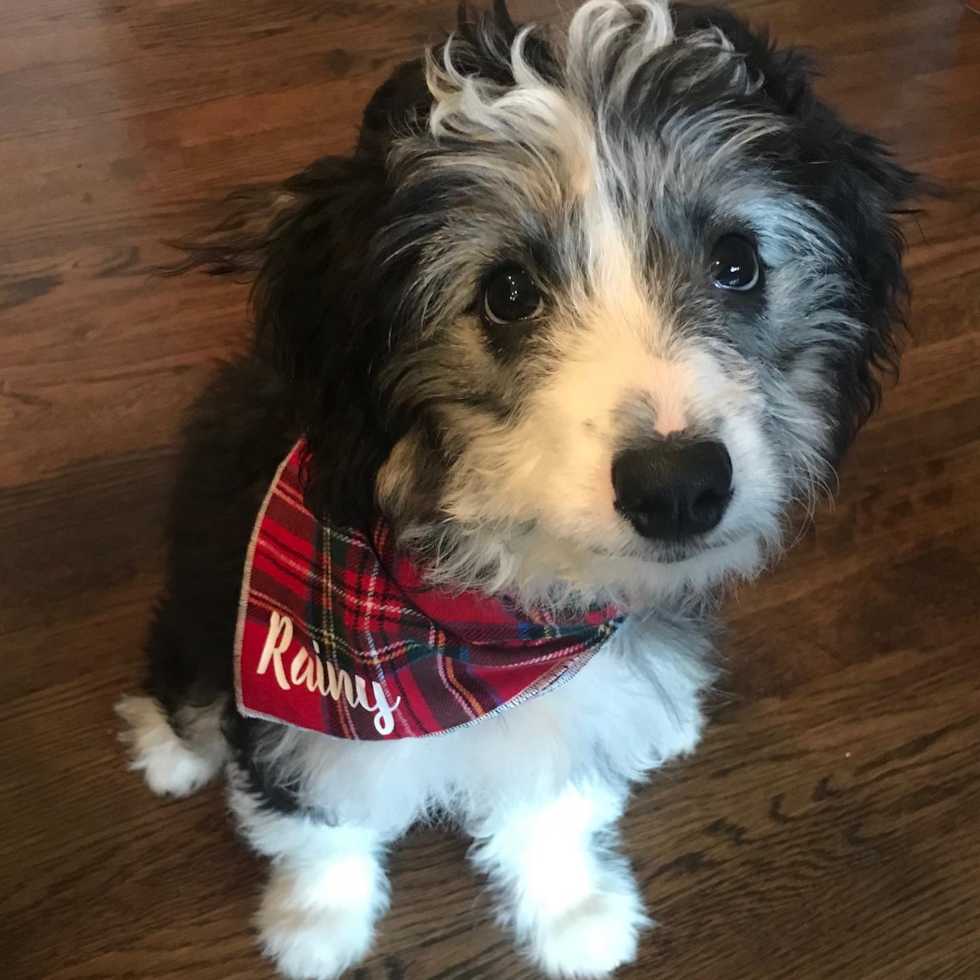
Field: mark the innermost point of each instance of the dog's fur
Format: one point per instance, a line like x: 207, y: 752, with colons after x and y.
x: 607, y: 159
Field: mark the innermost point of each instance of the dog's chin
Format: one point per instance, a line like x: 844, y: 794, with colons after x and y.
x: 703, y: 551
x: 660, y: 575
x: 674, y: 554
x: 560, y: 572
x: 701, y: 566
x: 667, y: 553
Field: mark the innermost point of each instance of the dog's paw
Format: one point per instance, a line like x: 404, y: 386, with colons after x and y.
x: 169, y: 766
x: 591, y: 939
x: 312, y: 937
x: 306, y: 945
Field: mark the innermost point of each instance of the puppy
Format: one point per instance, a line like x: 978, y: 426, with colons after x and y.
x: 538, y: 369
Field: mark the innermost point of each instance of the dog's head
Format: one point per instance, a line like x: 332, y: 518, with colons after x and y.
x: 586, y: 311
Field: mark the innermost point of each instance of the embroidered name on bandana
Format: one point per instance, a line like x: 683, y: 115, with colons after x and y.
x: 337, y: 633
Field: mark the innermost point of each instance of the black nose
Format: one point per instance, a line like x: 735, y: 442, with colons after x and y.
x: 673, y: 490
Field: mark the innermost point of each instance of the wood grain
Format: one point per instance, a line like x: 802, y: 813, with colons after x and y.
x: 829, y: 825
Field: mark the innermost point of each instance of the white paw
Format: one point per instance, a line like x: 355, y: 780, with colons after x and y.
x: 170, y: 767
x: 312, y: 937
x: 591, y: 939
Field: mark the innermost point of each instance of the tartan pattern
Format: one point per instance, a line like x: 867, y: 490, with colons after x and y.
x: 338, y: 633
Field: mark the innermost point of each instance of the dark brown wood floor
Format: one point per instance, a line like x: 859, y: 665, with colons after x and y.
x: 829, y: 826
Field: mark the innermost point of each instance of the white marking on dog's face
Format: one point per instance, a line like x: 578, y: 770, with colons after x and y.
x: 615, y: 220
x: 615, y: 367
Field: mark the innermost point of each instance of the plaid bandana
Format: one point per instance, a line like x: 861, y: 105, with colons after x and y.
x: 338, y: 633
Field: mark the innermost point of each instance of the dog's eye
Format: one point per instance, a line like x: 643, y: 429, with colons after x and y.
x: 735, y: 264
x: 510, y: 295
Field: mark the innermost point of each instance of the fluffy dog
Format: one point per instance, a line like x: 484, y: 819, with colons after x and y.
x: 581, y: 319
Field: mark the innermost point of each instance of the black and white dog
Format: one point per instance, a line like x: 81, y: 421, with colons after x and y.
x: 582, y: 317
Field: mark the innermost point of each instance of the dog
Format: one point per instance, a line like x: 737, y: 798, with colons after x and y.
x: 543, y: 365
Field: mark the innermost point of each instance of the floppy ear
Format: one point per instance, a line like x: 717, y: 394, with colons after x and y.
x: 483, y: 41
x: 481, y: 47
x: 784, y: 74
x: 852, y: 177
x: 304, y: 243
x: 401, y: 103
x: 865, y: 191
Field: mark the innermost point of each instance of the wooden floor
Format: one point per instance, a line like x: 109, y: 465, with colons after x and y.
x: 829, y: 826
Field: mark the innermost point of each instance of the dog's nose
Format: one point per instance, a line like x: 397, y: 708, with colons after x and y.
x: 675, y: 489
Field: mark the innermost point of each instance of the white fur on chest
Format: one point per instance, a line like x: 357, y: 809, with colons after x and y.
x: 633, y: 706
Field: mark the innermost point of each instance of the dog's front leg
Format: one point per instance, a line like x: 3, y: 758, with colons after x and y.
x: 326, y: 891
x: 568, y: 896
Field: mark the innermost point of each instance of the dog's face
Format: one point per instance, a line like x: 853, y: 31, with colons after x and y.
x: 583, y: 315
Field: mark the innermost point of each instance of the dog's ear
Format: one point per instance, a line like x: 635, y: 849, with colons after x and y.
x: 782, y: 75
x: 304, y: 243
x: 852, y: 177
x: 481, y: 48
x: 483, y: 41
x: 400, y: 105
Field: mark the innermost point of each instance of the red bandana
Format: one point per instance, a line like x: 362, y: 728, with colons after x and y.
x: 338, y: 633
